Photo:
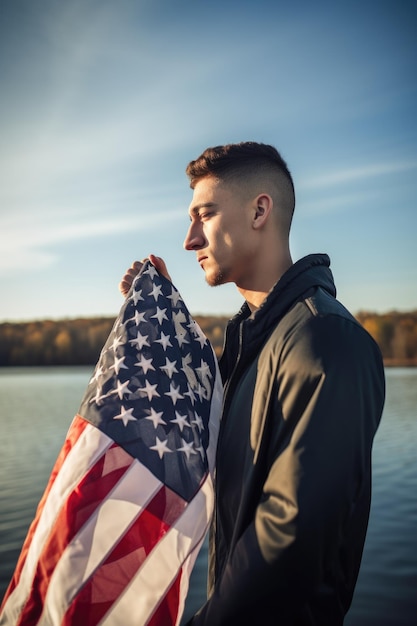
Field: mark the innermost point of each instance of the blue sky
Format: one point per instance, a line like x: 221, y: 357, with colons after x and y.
x: 104, y: 103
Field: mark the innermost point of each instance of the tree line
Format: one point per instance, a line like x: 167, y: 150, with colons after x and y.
x: 73, y: 341
x: 395, y: 333
x: 79, y: 341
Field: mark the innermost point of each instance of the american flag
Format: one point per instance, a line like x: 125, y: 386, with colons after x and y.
x: 130, y: 498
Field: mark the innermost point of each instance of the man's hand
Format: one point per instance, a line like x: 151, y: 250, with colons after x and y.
x: 127, y: 280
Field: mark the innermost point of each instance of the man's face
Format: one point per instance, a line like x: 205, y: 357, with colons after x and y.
x: 220, y: 231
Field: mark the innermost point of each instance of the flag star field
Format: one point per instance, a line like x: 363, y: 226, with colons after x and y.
x: 162, y: 419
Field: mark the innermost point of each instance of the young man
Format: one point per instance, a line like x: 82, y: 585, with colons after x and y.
x: 304, y: 392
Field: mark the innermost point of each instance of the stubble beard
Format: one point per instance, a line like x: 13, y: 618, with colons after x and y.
x: 216, y: 279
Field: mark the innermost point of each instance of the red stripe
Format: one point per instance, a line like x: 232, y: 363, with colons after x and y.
x: 75, y: 511
x: 77, y: 427
x: 110, y: 580
x: 167, y: 611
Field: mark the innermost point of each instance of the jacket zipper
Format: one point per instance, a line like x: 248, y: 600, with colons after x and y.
x: 226, y: 396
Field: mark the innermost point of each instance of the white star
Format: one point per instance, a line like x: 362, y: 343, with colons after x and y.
x: 160, y: 315
x: 199, y: 422
x: 198, y: 333
x: 190, y: 393
x: 98, y: 397
x: 122, y: 388
x: 156, y: 292
x: 187, y: 448
x: 160, y: 447
x: 152, y: 271
x: 169, y: 367
x: 145, y: 364
x: 201, y: 392
x: 118, y: 364
x: 205, y: 375
x: 137, y: 295
x: 99, y: 371
x: 204, y: 370
x: 117, y: 341
x: 164, y: 341
x: 175, y: 297
x: 149, y: 390
x: 188, y: 370
x: 155, y: 417
x: 174, y: 393
x: 181, y: 421
x: 201, y: 450
x: 139, y: 317
x: 181, y: 338
x: 125, y: 415
x: 179, y: 319
x: 140, y: 341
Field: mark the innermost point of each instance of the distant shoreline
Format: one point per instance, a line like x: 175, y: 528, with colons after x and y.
x: 80, y: 341
x: 400, y: 363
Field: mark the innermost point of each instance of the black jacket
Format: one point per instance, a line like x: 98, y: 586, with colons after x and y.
x: 304, y: 393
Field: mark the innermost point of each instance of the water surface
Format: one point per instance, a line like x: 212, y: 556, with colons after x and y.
x: 37, y: 406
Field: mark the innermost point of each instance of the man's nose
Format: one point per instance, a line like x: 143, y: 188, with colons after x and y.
x: 193, y: 239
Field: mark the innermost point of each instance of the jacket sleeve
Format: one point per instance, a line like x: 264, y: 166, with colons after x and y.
x: 309, y: 525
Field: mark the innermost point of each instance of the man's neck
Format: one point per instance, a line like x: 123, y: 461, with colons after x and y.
x: 255, y: 297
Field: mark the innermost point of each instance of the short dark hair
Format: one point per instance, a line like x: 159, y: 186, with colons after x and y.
x: 237, y: 160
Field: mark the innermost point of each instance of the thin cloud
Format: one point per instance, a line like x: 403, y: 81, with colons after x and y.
x: 335, y: 203
x: 28, y: 246
x: 355, y: 174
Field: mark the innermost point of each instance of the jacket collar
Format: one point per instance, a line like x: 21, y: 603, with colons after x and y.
x: 308, y: 273
x: 301, y: 279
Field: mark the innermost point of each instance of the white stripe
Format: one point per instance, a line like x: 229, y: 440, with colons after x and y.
x: 141, y: 598
x: 187, y: 569
x: 97, y: 538
x: 91, y: 444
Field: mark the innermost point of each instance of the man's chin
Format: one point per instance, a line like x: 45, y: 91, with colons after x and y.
x: 214, y: 280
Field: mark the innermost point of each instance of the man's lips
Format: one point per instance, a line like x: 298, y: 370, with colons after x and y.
x: 201, y: 259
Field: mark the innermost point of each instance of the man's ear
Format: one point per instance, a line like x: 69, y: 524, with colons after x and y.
x: 263, y: 208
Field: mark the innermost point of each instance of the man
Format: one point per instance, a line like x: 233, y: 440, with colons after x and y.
x: 304, y: 392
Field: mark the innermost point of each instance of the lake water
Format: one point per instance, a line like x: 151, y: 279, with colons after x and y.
x: 37, y: 406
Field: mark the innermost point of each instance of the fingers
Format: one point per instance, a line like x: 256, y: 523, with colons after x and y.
x: 160, y: 265
x: 128, y: 278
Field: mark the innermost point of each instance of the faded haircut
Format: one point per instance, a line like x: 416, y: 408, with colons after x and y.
x: 235, y: 160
